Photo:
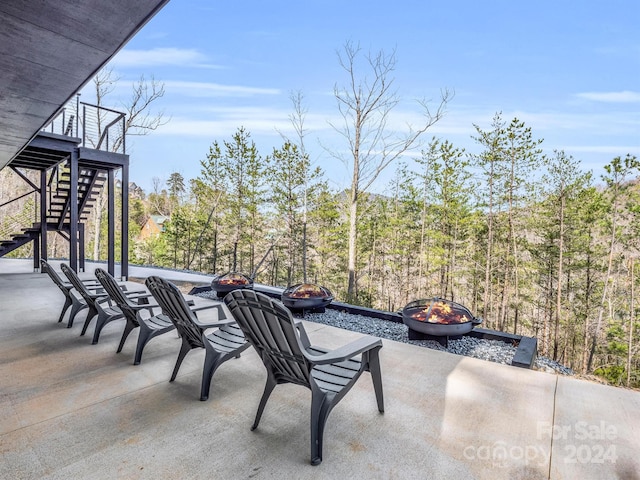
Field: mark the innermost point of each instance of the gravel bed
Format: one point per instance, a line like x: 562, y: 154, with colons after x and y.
x: 490, y: 350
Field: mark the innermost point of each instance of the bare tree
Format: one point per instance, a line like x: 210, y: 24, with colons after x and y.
x: 365, y: 104
x: 139, y: 121
x: 297, y: 119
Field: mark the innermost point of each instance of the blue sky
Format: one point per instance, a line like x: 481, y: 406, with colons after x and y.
x: 569, y: 69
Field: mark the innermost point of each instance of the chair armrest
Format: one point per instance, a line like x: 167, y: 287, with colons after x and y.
x: 203, y: 307
x: 302, y: 333
x: 217, y: 323
x: 139, y: 295
x: 132, y: 292
x: 345, y: 352
x: 149, y: 307
x: 101, y: 297
x: 142, y: 306
x: 94, y: 289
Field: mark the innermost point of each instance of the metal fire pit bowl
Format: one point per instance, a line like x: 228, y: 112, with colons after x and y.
x: 306, y: 296
x: 223, y: 284
x: 438, y: 317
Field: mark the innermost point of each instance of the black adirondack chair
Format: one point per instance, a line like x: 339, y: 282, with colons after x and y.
x: 289, y: 357
x: 226, y: 342
x: 71, y: 300
x: 150, y: 326
x: 97, y: 301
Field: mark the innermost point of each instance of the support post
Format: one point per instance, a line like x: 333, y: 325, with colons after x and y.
x: 73, y: 210
x: 111, y: 207
x: 81, y: 250
x: 124, y: 236
x: 43, y: 218
x: 36, y: 255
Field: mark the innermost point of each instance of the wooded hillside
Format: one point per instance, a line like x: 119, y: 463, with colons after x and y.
x: 531, y: 243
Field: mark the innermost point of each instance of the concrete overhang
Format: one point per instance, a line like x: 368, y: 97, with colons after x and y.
x: 49, y: 49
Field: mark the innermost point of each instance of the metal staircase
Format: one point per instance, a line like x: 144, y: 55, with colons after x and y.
x: 23, y: 228
x: 18, y: 240
x: 90, y: 183
x: 89, y: 137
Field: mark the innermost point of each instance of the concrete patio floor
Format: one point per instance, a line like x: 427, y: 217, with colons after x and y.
x: 72, y: 410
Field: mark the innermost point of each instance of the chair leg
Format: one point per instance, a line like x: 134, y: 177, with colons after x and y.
x: 212, y: 361
x: 144, y: 336
x: 320, y: 408
x: 268, y: 388
x: 103, y: 319
x: 128, y: 328
x: 67, y: 304
x: 376, y: 376
x: 90, y: 314
x: 183, y: 352
x: 77, y: 306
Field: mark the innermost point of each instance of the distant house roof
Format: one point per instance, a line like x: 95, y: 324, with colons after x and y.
x: 153, y: 227
x: 159, y: 219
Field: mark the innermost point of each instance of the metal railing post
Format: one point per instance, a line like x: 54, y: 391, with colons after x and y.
x: 77, y: 112
x: 124, y: 137
x: 84, y: 125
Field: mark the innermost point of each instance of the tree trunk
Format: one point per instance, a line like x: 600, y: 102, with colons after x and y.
x: 421, y: 253
x: 585, y: 346
x: 98, y: 209
x: 235, y: 257
x: 304, y: 248
x: 605, y: 291
x: 559, y: 287
x: 352, y: 290
x: 632, y: 318
x: 215, y: 251
x: 489, y: 258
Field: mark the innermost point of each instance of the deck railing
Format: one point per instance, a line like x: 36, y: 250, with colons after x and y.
x: 97, y: 127
x: 19, y: 213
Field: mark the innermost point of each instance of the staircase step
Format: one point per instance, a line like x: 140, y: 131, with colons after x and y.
x: 65, y: 189
x: 55, y: 219
x: 85, y: 172
x: 84, y: 179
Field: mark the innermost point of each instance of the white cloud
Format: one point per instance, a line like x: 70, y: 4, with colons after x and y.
x: 605, y: 149
x: 223, y: 121
x: 223, y: 127
x: 206, y: 89
x: 161, y: 57
x: 625, y: 96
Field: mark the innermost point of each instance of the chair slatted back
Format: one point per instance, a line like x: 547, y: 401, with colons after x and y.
x: 48, y: 269
x: 270, y: 328
x: 77, y: 284
x: 175, y: 307
x: 116, y: 294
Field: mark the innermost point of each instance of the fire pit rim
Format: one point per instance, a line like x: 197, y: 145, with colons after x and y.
x: 226, y: 288
x: 438, y: 329
x: 306, y: 303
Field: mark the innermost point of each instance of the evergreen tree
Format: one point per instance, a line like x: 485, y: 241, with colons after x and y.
x: 291, y: 182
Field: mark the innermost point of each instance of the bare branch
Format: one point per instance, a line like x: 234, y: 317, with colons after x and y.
x: 139, y: 120
x: 365, y: 104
